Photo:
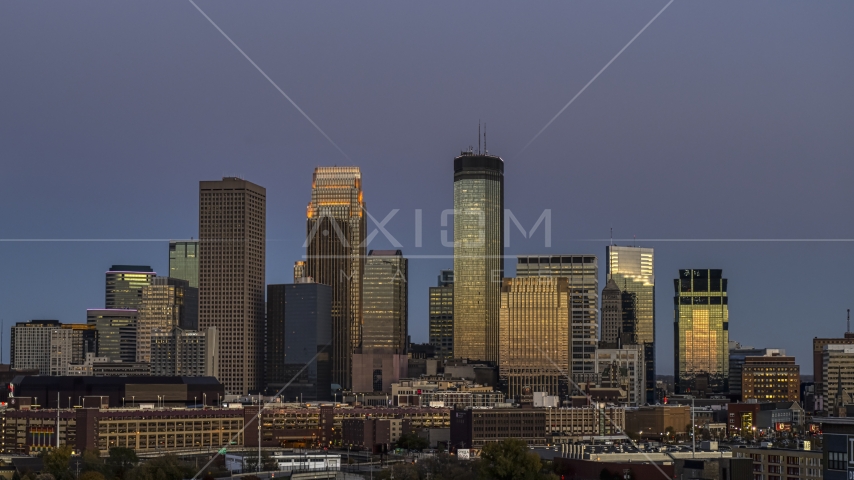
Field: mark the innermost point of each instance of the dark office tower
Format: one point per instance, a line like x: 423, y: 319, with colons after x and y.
x: 478, y: 254
x: 232, y: 241
x: 184, y: 261
x: 125, y: 284
x: 629, y: 324
x: 701, y: 332
x: 116, y: 333
x: 582, y: 274
x: 335, y: 251
x: 633, y: 270
x: 384, y: 304
x: 612, y: 315
x: 299, y: 332
x: 442, y: 316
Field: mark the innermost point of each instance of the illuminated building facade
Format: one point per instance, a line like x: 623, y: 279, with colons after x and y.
x: 442, y: 315
x: 184, y: 261
x: 582, y: 274
x: 535, y: 335
x: 701, y: 331
x: 384, y: 306
x: 124, y: 284
x: 335, y: 252
x: 770, y: 379
x: 232, y: 246
x: 478, y: 254
x: 166, y: 304
x: 633, y: 270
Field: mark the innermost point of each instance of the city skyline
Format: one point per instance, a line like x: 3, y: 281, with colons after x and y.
x: 658, y: 124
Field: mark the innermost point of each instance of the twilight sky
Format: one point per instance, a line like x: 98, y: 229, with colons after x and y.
x: 723, y: 120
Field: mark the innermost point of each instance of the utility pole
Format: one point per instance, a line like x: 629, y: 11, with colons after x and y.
x: 259, y: 431
x: 57, y: 419
x: 693, y: 432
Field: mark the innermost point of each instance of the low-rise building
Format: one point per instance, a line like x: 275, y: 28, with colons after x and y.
x: 836, y: 447
x: 32, y: 431
x: 770, y: 379
x: 571, y: 424
x: 473, y: 428
x: 658, y: 421
x: 786, y: 464
x: 374, y: 434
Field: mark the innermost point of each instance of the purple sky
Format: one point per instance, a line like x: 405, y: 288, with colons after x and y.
x: 724, y: 120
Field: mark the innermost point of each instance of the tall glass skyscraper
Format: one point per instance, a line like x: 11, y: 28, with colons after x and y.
x: 582, y: 274
x: 299, y: 331
x: 124, y: 284
x: 184, y: 261
x: 701, y: 331
x: 442, y: 315
x: 385, y: 309
x: 116, y: 333
x: 633, y: 270
x: 478, y: 254
x: 335, y: 251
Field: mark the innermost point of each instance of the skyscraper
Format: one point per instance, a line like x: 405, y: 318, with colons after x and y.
x: 384, y: 305
x: 582, y: 274
x: 633, y: 270
x: 478, y: 254
x: 535, y: 335
x: 335, y: 251
x: 184, y: 261
x: 442, y: 316
x: 69, y: 345
x: 612, y: 314
x: 166, y: 304
x: 30, y: 344
x: 701, y: 331
x: 299, y: 332
x: 116, y: 333
x: 382, y: 359
x: 184, y: 353
x: 124, y: 285
x: 232, y: 242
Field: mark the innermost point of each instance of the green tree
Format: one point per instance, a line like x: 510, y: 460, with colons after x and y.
x: 268, y: 463
x: 91, y: 475
x: 91, y: 461
x: 167, y: 467
x: 509, y: 460
x: 56, y: 462
x: 120, y: 461
x: 411, y: 441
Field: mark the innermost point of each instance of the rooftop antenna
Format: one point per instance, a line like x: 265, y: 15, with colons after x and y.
x: 849, y: 321
x: 485, y: 150
x: 612, y: 236
x: 635, y: 240
x: 478, y: 136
